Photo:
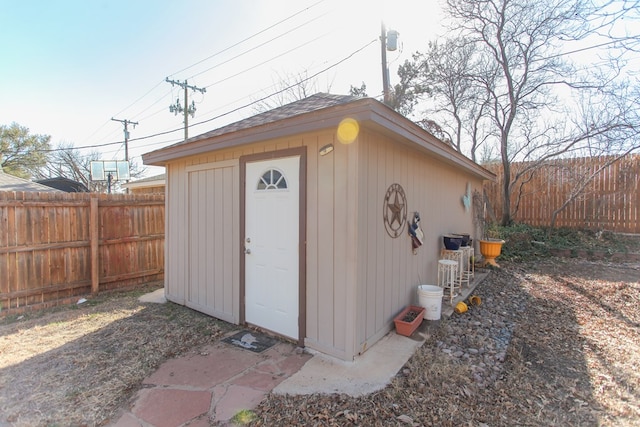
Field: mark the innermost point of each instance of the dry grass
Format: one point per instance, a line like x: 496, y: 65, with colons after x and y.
x: 573, y: 359
x: 77, y: 365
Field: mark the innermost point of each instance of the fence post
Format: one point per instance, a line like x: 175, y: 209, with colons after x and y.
x: 94, y: 237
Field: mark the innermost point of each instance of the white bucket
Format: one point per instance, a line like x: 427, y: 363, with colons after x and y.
x: 430, y: 297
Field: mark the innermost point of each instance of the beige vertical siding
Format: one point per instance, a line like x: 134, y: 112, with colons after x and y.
x: 202, y: 237
x: 389, y: 272
x: 331, y: 204
x: 358, y: 277
x: 212, y: 224
x: 175, y: 233
x: 330, y: 198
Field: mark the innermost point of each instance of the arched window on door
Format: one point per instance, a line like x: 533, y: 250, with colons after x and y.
x: 272, y: 179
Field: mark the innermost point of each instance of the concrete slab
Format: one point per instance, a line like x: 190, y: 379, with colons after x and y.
x: 258, y: 380
x: 156, y: 297
x: 128, y: 420
x: 220, y: 380
x: 369, y: 372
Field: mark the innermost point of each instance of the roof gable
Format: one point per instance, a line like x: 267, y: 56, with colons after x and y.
x: 310, y: 104
x: 318, y: 112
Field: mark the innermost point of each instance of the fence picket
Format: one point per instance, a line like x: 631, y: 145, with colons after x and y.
x: 610, y: 202
x: 52, y: 250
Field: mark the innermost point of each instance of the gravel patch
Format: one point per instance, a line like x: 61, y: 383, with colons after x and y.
x: 553, y: 343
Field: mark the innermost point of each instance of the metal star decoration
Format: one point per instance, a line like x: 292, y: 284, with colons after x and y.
x: 394, y: 210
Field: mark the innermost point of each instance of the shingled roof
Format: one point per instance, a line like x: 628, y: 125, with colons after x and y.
x: 13, y: 183
x: 313, y: 103
x: 316, y: 113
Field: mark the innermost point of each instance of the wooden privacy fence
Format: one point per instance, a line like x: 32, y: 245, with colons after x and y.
x: 57, y: 246
x: 611, y: 201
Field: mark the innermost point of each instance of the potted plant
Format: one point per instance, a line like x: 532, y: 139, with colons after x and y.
x: 408, y: 320
x: 490, y: 244
x: 490, y: 249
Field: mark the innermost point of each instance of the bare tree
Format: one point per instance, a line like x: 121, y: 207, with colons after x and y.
x: 68, y: 162
x: 579, y: 180
x: 456, y: 81
x: 288, y: 88
x: 507, y: 79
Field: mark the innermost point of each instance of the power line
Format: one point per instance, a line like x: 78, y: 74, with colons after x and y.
x: 84, y: 147
x: 290, y: 86
x: 188, y: 109
x: 193, y: 65
x: 126, y: 124
x: 150, y: 144
x: 205, y: 59
x: 265, y: 62
x: 137, y: 100
x: 268, y: 96
x: 256, y: 47
x: 248, y: 38
x: 223, y: 114
x: 162, y: 98
x: 595, y: 46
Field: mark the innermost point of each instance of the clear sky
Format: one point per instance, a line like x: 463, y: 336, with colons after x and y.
x: 68, y: 67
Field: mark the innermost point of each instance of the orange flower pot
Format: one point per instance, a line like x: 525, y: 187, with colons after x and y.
x: 490, y: 250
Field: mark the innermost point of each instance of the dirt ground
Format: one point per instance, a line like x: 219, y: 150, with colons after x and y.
x: 573, y: 359
x: 77, y: 365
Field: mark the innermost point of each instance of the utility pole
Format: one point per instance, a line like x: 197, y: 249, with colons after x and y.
x: 385, y: 70
x: 388, y: 41
x: 188, y: 109
x: 126, y: 123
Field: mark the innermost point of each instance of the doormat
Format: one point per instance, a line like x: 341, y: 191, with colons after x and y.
x: 251, y: 340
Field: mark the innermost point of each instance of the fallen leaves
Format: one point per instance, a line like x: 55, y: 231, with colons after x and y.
x: 573, y: 359
x: 553, y: 374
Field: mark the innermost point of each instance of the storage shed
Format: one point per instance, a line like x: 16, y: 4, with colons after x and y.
x: 297, y: 220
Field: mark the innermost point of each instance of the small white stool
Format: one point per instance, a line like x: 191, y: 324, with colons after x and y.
x: 458, y: 256
x: 469, y: 261
x: 447, y: 275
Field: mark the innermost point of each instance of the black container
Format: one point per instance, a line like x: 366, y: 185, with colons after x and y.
x: 466, y: 238
x: 452, y: 242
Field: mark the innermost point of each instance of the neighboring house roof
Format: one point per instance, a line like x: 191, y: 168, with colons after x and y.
x: 317, y: 112
x: 13, y: 183
x: 64, y: 184
x: 150, y: 181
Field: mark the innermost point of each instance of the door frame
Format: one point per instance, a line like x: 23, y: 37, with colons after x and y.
x: 302, y: 230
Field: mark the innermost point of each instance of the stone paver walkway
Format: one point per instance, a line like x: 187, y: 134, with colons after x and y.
x: 213, y: 385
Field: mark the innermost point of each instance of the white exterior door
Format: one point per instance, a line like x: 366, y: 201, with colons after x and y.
x: 271, y: 245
